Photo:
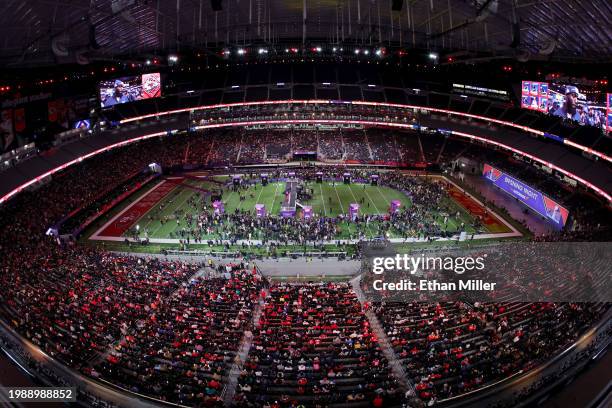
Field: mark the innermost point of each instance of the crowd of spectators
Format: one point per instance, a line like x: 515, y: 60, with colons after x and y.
x: 70, y: 300
x: 408, y: 146
x: 356, y: 146
x: 109, y: 315
x: 305, y: 140
x: 199, y: 149
x: 331, y: 145
x: 383, y: 145
x: 131, y: 319
x: 245, y: 225
x: 452, y: 348
x: 427, y: 197
x: 48, y: 375
x: 230, y: 146
x: 104, y: 201
x: 279, y: 145
x: 225, y: 147
x: 182, y: 352
x: 314, y: 346
x: 253, y: 147
x: 107, y: 294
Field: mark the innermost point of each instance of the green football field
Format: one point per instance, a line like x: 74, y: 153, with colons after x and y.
x: 329, y: 199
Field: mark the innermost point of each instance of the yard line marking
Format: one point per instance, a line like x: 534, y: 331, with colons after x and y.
x: 357, y: 201
x: 372, y: 201
x: 323, y: 199
x: 341, y: 206
x: 188, y: 196
x: 227, y: 198
x: 383, y: 196
x: 241, y: 203
x: 155, y: 212
x: 175, y: 192
x: 340, y: 201
x: 159, y: 214
x: 260, y: 191
x: 274, y: 196
x: 353, y: 194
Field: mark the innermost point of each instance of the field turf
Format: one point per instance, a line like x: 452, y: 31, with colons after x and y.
x: 329, y: 199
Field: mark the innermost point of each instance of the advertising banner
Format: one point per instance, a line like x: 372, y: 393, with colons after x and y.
x: 532, y: 198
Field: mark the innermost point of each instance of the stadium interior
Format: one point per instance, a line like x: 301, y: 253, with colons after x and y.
x: 207, y: 203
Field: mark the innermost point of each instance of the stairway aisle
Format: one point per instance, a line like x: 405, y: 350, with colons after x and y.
x: 421, y: 152
x: 243, y: 351
x: 394, y: 363
x: 441, y: 150
x: 97, y: 359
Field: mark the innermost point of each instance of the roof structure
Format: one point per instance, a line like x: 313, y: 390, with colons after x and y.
x: 38, y: 32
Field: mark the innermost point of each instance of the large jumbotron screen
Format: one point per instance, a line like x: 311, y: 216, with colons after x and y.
x: 532, y: 198
x: 129, y: 89
x: 568, y: 101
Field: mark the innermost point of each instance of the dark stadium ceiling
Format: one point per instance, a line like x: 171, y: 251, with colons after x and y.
x: 39, y: 32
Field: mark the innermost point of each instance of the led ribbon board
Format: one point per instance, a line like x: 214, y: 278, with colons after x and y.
x: 538, y: 202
